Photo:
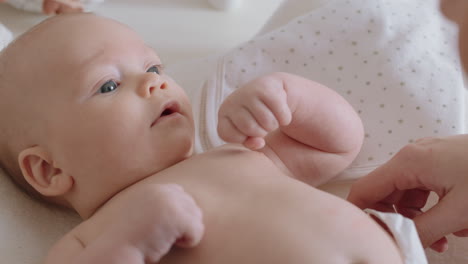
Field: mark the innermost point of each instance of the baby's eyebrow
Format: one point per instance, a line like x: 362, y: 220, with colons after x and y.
x: 89, y: 59
x: 151, y: 51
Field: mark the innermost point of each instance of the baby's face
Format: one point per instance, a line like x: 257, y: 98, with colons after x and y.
x: 112, y: 116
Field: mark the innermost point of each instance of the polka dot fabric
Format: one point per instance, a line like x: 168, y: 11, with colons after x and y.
x: 395, y: 61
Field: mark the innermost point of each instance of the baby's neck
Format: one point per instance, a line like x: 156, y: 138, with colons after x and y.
x: 90, y: 203
x: 87, y: 201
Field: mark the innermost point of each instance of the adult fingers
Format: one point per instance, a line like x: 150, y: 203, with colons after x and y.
x: 440, y: 245
x: 437, y: 222
x: 461, y: 233
x: 414, y: 198
x: 50, y: 7
x: 374, y: 187
x: 402, y: 172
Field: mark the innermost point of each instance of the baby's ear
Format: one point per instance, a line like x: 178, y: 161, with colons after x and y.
x: 38, y: 170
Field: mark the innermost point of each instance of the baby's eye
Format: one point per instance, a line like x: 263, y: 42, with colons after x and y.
x: 108, y: 87
x: 153, y: 68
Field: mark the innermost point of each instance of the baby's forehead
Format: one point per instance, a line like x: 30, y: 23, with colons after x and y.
x: 49, y: 48
x: 66, y: 39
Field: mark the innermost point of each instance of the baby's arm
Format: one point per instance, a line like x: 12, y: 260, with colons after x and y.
x: 141, y: 228
x: 319, y: 132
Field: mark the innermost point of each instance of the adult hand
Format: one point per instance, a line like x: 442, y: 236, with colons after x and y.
x: 61, y: 6
x: 403, y: 185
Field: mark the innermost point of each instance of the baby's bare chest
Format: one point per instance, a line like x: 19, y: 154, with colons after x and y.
x: 248, y: 206
x: 253, y: 213
x: 226, y: 170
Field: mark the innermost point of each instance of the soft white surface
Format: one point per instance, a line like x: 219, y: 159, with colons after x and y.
x: 180, y: 31
x: 5, y: 36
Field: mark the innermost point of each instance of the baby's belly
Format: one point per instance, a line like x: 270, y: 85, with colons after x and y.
x: 255, y: 214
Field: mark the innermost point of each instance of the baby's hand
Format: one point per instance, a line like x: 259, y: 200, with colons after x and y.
x: 253, y: 111
x: 61, y: 6
x: 160, y: 216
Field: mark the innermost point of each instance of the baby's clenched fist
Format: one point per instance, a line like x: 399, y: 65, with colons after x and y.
x: 253, y: 111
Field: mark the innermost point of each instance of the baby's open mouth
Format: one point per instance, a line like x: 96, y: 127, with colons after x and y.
x: 167, y: 112
x: 168, y: 109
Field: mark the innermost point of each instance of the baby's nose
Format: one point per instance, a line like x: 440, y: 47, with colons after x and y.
x: 152, y: 83
x: 160, y: 85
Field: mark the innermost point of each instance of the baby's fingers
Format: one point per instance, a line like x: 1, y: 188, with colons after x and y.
x: 278, y: 105
x: 461, y: 233
x: 191, y: 217
x: 264, y: 116
x: 254, y: 143
x: 228, y: 132
x: 239, y: 125
x: 194, y: 230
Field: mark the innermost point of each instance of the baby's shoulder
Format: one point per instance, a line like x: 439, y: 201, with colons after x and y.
x: 66, y: 248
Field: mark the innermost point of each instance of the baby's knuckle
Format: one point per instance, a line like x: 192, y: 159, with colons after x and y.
x: 247, y: 127
x: 268, y: 122
x: 268, y: 84
x: 229, y: 135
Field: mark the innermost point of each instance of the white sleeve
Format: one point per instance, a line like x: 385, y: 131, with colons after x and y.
x: 405, y: 234
x: 5, y: 36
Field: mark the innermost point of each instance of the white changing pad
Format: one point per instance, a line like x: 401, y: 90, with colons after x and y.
x: 28, y: 229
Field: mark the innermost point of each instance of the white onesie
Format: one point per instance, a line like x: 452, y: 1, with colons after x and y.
x: 5, y: 36
x: 405, y: 234
x: 395, y: 61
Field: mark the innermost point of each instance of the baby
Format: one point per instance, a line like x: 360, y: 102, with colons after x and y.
x: 91, y: 122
